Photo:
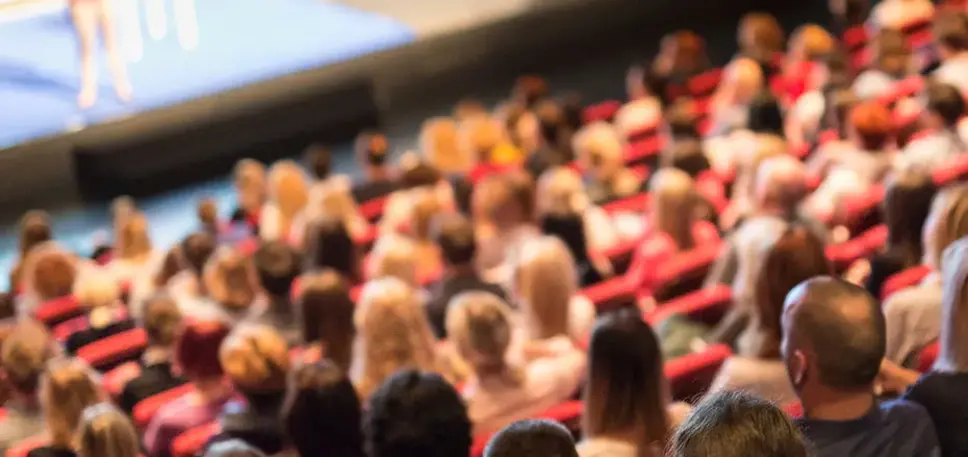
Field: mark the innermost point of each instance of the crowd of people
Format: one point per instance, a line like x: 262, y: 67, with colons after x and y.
x: 451, y: 297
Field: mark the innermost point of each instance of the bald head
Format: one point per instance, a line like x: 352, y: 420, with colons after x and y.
x: 839, y: 327
x: 781, y: 183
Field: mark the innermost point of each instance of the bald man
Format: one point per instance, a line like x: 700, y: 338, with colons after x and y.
x: 779, y: 188
x: 833, y: 344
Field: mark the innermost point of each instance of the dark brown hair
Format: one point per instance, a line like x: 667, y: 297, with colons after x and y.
x: 327, y: 316
x: 162, y: 320
x: 766, y: 34
x: 907, y: 202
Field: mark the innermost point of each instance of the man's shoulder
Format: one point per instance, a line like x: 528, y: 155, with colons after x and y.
x: 903, y: 410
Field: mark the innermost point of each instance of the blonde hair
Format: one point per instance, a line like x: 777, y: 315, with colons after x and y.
x: 479, y: 325
x: 96, y: 288
x: 545, y: 282
x: 69, y: 386
x: 132, y: 237
x: 561, y: 192
x: 440, y: 145
x: 230, y: 279
x: 255, y: 358
x: 334, y: 199
x: 812, y: 42
x: 25, y: 353
x: 742, y: 80
x: 396, y: 259
x: 479, y: 136
x: 106, y: 432
x: 674, y: 205
x: 393, y: 333
x: 249, y: 178
x: 599, y: 148
x: 637, y: 115
x: 426, y: 207
x: 288, y: 189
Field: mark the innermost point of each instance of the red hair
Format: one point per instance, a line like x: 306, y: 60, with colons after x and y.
x: 196, y: 351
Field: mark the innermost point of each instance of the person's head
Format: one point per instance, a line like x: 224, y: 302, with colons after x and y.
x: 950, y: 32
x: 171, y: 265
x: 749, y: 161
x: 637, y: 116
x: 907, y: 200
x: 207, y: 211
x: 682, y: 120
x: 49, y: 272
x: 416, y: 414
x: 760, y: 36
x: 24, y: 356
x: 627, y: 391
x: 599, y: 149
x: 506, y: 199
x: 96, y: 288
x: 458, y: 243
x: 780, y: 185
x: 765, y: 115
x: 372, y: 150
x: 427, y: 206
x: 947, y: 221
x: 742, y: 81
x: 249, y: 179
x: 682, y: 53
x: 529, y: 90
x: 891, y: 53
x: 850, y: 12
x: 288, y: 189
x: 440, y: 146
x: 551, y: 123
x: 395, y: 260
x: 327, y: 316
x: 945, y: 105
x: 393, y: 332
x: 796, y: 256
x: 479, y: 325
x: 196, y: 351
x: 532, y: 437
x: 839, y: 103
x: 232, y: 448
x: 319, y: 161
x: 276, y: 266
x: 467, y: 108
x: 322, y: 412
x: 953, y: 356
x: 68, y: 386
x: 521, y: 126
x: 544, y: 283
x: 329, y: 245
x: 230, y: 279
x: 675, y: 203
x: 417, y: 172
x: 834, y: 339
x: 810, y: 43
x: 871, y: 126
x: 560, y: 193
x: 686, y: 155
x: 105, y: 431
x: 737, y: 424
x: 256, y: 360
x: 121, y: 208
x: 162, y: 320
x: 643, y: 81
x: 478, y: 136
x: 196, y: 249
x: 34, y: 230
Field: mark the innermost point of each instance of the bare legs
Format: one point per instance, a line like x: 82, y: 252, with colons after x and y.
x: 88, y: 16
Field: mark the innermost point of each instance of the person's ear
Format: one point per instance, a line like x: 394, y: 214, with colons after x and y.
x: 797, y: 365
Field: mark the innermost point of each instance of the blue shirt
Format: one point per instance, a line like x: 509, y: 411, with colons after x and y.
x: 943, y: 395
x: 892, y: 429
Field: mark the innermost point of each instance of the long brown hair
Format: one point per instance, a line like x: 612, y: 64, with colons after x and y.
x: 327, y: 316
x: 675, y: 204
x: 627, y: 392
x: 796, y: 256
x: 907, y: 201
x: 69, y: 386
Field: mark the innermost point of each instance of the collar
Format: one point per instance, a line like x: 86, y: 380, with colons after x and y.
x: 831, y: 430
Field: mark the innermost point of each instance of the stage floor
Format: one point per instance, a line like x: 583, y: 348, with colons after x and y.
x: 239, y: 42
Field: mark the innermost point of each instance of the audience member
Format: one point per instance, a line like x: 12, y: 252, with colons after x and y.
x: 914, y: 314
x: 256, y: 361
x: 288, y: 195
x: 133, y: 253
x: 34, y: 231
x: 276, y: 266
x: 532, y: 437
x: 440, y: 146
x: 628, y: 407
x: 106, y: 432
x: 234, y: 448
x: 249, y: 180
x: 891, y: 62
x: 458, y: 245
x: 729, y: 109
x: 328, y: 245
x: 398, y: 259
x: 500, y: 391
x: 600, y: 151
x: 737, y: 424
x: 48, y: 274
x: 98, y: 292
x: 638, y: 117
x: 68, y: 387
x: 322, y: 412
x: 326, y: 311
x: 945, y: 106
x: 833, y: 343
x: 415, y: 413
x: 187, y: 286
x: 951, y: 39
x: 196, y: 358
x: 23, y: 357
x: 162, y: 322
x: 319, y: 161
x: 899, y: 14
x: 230, y: 282
x: 761, y: 37
x: 505, y: 204
x: 372, y: 152
x: 940, y: 389
x: 682, y: 55
x: 757, y: 367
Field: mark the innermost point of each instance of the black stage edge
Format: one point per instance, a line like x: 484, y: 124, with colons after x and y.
x: 165, y: 148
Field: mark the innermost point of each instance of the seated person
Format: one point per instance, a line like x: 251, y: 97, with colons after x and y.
x: 23, y: 357
x: 319, y: 161
x: 162, y: 321
x: 288, y: 196
x: 373, y: 154
x: 48, y: 274
x: 898, y: 14
x: 833, y: 343
x: 326, y: 311
x: 500, y: 392
x: 532, y: 437
x: 276, y: 267
x: 601, y: 150
x: 106, y: 432
x: 951, y: 39
x: 69, y: 387
x: 133, y: 255
x: 186, y: 285
x: 730, y: 104
x: 682, y: 55
x: 891, y: 60
x: 504, y: 208
x: 440, y: 146
x: 323, y: 414
x: 945, y: 107
x: 761, y: 37
x: 98, y: 291
x: 249, y: 180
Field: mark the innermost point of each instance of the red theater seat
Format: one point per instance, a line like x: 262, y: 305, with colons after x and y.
x: 708, y: 305
x: 372, y: 209
x: 146, y: 409
x: 684, y: 272
x: 927, y: 357
x: 109, y: 352
x: 603, y: 111
x: 644, y: 152
x: 855, y: 38
x: 638, y: 203
x: 248, y: 246
x: 115, y: 379
x: 904, y: 279
x: 691, y: 375
x: 703, y: 85
x: 190, y: 443
x: 567, y: 413
x: 956, y: 170
x: 58, y: 310
x: 841, y: 256
x: 24, y: 447
x: 612, y: 293
x: 794, y: 410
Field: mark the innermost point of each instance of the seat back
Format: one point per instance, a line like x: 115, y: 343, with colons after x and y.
x: 904, y: 279
x: 707, y: 305
x: 603, y: 111
x: 110, y: 352
x: 372, y: 209
x: 927, y: 357
x: 691, y: 375
x: 190, y: 443
x: 956, y: 170
x: 24, y: 447
x: 59, y: 310
x: 115, y: 379
x: 146, y: 409
x: 685, y: 272
x: 637, y: 203
x: 842, y: 255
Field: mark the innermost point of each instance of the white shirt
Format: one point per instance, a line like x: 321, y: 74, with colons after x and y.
x: 764, y: 378
x: 913, y: 318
